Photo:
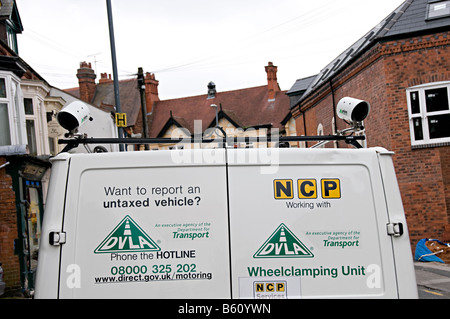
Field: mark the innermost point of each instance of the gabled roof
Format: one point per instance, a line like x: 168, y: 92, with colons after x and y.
x: 178, y: 122
x: 229, y: 116
x: 8, y: 10
x: 409, y: 19
x: 414, y: 18
x: 246, y: 107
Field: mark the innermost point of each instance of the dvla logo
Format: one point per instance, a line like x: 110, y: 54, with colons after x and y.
x: 283, y: 244
x: 127, y: 237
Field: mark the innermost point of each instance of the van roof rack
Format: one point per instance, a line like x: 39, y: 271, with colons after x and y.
x: 82, y: 139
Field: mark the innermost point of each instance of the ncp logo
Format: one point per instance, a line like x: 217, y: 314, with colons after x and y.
x: 330, y: 188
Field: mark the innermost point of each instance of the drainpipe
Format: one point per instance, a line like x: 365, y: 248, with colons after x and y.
x: 304, y: 126
x: 334, y: 109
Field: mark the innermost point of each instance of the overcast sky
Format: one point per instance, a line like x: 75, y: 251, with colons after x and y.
x: 189, y: 43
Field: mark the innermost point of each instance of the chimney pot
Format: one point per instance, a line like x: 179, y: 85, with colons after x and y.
x: 105, y: 78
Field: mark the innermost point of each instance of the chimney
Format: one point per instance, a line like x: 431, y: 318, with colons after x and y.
x: 105, y: 78
x: 272, y: 84
x: 86, y: 81
x: 151, y: 91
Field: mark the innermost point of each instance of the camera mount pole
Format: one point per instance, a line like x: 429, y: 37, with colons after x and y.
x: 114, y: 65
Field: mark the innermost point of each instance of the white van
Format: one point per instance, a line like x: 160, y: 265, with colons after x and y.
x: 225, y: 223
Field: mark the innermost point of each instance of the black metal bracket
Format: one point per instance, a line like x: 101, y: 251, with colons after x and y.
x: 353, y: 140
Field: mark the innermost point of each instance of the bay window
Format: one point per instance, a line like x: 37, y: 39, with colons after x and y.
x: 30, y: 125
x: 33, y: 101
x: 12, y: 115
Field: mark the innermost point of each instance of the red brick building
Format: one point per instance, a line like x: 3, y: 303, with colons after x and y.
x: 401, y: 67
x: 261, y: 108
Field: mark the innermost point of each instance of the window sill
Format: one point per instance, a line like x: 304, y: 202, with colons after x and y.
x: 430, y: 145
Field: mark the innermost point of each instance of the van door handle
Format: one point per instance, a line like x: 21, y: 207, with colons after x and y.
x: 57, y: 238
x: 395, y: 229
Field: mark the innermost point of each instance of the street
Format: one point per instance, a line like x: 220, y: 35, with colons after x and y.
x: 433, y: 280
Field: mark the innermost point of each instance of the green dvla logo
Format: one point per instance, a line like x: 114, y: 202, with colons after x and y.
x: 283, y: 244
x: 127, y: 237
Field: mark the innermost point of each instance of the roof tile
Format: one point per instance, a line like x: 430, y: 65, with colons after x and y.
x: 248, y: 107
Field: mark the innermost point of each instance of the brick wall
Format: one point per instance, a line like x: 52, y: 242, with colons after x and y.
x: 381, y: 76
x: 423, y: 174
x: 8, y: 230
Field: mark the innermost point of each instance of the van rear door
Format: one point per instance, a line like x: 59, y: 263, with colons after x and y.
x: 146, y: 225
x: 309, y: 224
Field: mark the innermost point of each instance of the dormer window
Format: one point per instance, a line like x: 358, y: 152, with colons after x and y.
x: 10, y: 23
x: 438, y: 9
x: 12, y: 38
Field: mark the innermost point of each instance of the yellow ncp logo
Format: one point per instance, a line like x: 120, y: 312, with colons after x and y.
x: 284, y: 188
x: 307, y: 188
x: 331, y: 188
x: 270, y: 286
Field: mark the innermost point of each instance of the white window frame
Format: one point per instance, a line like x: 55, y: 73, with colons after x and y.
x: 423, y: 115
x: 16, y: 113
x: 33, y: 117
x: 438, y: 9
x: 37, y: 91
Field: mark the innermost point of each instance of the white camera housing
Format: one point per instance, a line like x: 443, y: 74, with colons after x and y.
x: 74, y: 115
x: 352, y: 110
